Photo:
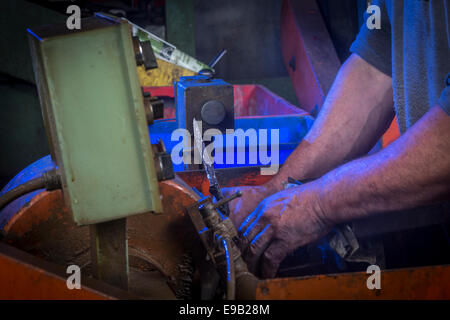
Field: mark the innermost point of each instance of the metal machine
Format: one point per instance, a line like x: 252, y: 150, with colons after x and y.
x: 108, y: 201
x: 205, y: 99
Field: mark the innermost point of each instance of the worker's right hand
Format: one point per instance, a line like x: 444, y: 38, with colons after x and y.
x: 241, y: 207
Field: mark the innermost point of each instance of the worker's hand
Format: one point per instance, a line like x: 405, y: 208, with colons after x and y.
x: 280, y: 224
x: 241, y: 207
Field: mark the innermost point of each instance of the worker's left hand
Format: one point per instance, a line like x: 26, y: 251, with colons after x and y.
x: 280, y: 224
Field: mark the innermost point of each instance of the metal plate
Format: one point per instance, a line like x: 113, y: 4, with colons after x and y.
x: 192, y: 93
x: 95, y: 119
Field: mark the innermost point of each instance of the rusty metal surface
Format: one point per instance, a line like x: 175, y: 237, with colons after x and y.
x: 158, y: 245
x: 308, y: 52
x: 391, y: 134
x: 230, y: 177
x: 169, y: 236
x: 24, y: 276
x: 109, y: 252
x: 45, y: 229
x: 415, y: 283
x: 48, y: 202
x: 310, y: 57
x: 204, y: 233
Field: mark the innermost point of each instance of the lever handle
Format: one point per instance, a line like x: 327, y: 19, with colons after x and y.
x: 226, y: 200
x: 217, y: 58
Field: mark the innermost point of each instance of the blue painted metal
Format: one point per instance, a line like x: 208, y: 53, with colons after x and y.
x: 181, y: 88
x: 34, y: 170
x: 292, y: 129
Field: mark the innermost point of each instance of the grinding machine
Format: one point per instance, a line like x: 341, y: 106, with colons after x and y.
x: 110, y: 200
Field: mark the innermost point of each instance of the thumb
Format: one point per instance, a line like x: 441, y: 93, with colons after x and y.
x: 272, y: 258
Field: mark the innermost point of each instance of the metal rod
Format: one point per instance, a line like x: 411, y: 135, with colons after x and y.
x: 109, y: 252
x: 226, y: 200
x: 217, y: 58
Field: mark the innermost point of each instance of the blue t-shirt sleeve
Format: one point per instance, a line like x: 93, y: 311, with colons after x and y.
x: 374, y: 45
x: 444, y: 100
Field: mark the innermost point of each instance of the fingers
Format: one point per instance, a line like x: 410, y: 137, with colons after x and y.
x: 251, y: 226
x: 257, y: 247
x: 255, y: 237
x: 247, y: 221
x: 272, y: 257
x: 238, y: 210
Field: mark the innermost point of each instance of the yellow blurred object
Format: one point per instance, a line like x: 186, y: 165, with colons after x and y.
x: 165, y: 75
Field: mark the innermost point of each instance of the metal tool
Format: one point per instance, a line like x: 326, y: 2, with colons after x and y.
x: 217, y: 58
x: 218, y: 234
x: 205, y: 99
x: 210, y: 72
x: 208, y: 164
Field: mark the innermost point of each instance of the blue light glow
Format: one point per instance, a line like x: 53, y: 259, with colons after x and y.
x: 34, y: 34
x: 259, y: 234
x: 250, y: 227
x: 34, y: 170
x: 221, y: 215
x: 228, y: 259
x: 243, y: 224
x: 198, y: 192
x: 203, y: 230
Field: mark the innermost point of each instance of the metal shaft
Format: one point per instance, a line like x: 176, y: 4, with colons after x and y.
x: 109, y: 252
x: 226, y: 200
x: 217, y: 58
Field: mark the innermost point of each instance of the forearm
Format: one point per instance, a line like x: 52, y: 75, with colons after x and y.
x: 411, y: 172
x: 356, y: 112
